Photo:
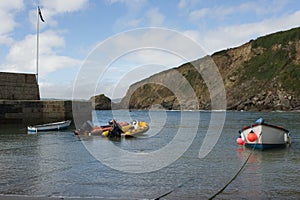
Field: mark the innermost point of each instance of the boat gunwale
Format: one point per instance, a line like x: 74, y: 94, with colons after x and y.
x: 265, y: 124
x: 67, y: 122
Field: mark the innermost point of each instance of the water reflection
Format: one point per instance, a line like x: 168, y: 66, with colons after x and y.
x: 261, y: 174
x: 251, y: 174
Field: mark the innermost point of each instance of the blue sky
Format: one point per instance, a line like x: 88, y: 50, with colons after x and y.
x: 75, y: 28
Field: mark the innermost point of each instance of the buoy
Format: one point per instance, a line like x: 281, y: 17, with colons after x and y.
x: 105, y: 133
x: 240, y: 141
x: 251, y: 136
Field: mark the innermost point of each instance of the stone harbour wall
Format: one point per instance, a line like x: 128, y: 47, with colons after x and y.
x: 20, y: 103
x: 18, y: 86
x: 34, y: 111
x: 31, y: 112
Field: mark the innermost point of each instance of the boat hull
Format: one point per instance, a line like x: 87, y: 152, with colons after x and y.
x: 143, y: 127
x: 130, y: 131
x: 265, y: 146
x: 267, y: 136
x: 49, y: 127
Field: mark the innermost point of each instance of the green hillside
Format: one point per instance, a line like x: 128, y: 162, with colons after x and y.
x: 262, y: 74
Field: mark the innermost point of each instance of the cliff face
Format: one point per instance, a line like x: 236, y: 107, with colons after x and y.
x: 262, y: 74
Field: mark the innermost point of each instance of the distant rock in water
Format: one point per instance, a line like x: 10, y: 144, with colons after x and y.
x: 101, y: 102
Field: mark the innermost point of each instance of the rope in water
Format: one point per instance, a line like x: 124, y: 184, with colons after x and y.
x: 167, y: 193
x: 222, y: 189
x: 236, y: 175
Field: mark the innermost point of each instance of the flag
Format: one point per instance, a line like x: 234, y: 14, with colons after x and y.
x: 40, y: 14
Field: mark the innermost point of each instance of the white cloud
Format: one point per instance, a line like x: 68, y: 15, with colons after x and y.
x: 55, y: 90
x: 50, y: 9
x: 121, y: 58
x: 155, y: 42
x: 134, y: 22
x: 117, y: 89
x: 194, y: 35
x: 8, y: 10
x: 155, y: 17
x: 8, y: 24
x: 189, y: 4
x: 220, y: 12
x: 22, y: 54
x: 261, y: 7
x: 5, y: 39
x: 133, y: 5
x: 138, y: 14
x: 59, y: 6
x: 182, y: 4
x: 198, y: 14
x: 231, y: 36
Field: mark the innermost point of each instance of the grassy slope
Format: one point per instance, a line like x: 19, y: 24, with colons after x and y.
x: 271, y: 64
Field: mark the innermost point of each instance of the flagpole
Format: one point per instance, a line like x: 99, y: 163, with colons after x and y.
x: 37, y: 46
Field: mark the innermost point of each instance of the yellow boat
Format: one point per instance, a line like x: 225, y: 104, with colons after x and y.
x: 132, y: 130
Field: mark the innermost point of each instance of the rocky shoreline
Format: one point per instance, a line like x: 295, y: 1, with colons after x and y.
x: 261, y: 102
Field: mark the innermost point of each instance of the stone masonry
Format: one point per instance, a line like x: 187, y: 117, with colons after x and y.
x: 18, y: 86
x: 34, y: 111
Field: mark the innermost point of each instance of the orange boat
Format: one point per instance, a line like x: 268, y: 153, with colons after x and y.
x: 96, y: 130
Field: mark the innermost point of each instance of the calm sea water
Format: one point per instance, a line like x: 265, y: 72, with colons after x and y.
x: 59, y: 164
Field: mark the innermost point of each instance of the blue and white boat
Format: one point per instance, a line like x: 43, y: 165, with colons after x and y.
x: 264, y: 136
x: 56, y: 126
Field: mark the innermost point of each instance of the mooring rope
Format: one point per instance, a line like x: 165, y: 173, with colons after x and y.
x: 232, y: 179
x: 236, y: 175
x: 178, y: 186
x: 222, y: 189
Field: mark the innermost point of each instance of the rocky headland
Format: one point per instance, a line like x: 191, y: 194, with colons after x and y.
x: 261, y: 75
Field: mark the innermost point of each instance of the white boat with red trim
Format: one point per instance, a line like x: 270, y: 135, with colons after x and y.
x: 264, y: 136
